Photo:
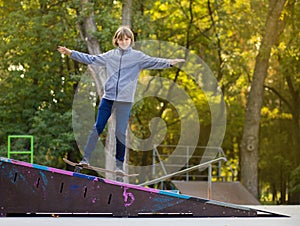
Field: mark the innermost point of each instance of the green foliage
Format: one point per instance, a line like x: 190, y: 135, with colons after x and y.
x: 35, y: 89
x: 52, y: 140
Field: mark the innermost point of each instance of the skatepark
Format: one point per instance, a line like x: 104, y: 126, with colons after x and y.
x: 150, y: 113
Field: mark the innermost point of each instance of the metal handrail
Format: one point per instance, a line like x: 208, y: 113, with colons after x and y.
x: 199, y: 166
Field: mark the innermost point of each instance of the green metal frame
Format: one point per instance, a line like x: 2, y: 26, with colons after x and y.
x: 9, y: 151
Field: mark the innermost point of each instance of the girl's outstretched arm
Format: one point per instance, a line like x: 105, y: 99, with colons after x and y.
x: 83, y: 57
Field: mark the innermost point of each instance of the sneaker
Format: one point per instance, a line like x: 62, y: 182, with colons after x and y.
x: 84, y: 162
x: 119, y: 174
x: 119, y: 171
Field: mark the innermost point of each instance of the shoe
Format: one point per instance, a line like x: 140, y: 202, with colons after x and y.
x: 119, y: 173
x: 84, y: 162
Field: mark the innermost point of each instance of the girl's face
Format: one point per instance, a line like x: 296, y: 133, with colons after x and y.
x: 124, y: 42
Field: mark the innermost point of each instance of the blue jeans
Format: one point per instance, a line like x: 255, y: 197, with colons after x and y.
x: 106, y: 107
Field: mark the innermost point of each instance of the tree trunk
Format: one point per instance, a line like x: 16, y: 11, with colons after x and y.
x: 249, y: 143
x: 127, y: 13
x: 87, y: 28
x: 126, y: 21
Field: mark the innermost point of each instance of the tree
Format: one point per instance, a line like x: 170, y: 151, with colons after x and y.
x: 249, y: 143
x: 282, y: 106
x: 88, y: 30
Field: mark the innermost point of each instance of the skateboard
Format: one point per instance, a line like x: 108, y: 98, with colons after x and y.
x: 79, y: 167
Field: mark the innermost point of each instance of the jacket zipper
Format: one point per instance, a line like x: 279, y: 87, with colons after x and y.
x: 119, y: 74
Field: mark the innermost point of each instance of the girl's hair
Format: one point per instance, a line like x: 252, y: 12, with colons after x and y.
x: 121, y: 33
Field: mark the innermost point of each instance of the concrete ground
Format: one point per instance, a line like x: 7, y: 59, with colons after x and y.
x: 292, y: 211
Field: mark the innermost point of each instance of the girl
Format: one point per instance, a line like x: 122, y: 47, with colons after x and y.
x: 123, y: 65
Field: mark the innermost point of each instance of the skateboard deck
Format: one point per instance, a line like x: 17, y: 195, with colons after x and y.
x: 98, y: 169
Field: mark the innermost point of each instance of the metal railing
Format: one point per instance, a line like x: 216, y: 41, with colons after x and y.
x: 212, y: 158
x: 199, y: 166
x: 182, y: 160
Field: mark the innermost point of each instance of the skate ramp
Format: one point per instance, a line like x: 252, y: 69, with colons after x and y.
x: 28, y: 188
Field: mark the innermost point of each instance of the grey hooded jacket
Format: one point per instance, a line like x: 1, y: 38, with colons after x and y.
x: 123, y: 68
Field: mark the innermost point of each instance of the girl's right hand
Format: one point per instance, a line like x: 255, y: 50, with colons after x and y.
x: 64, y: 50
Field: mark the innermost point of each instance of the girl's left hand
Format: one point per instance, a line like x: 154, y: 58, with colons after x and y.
x: 175, y: 61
